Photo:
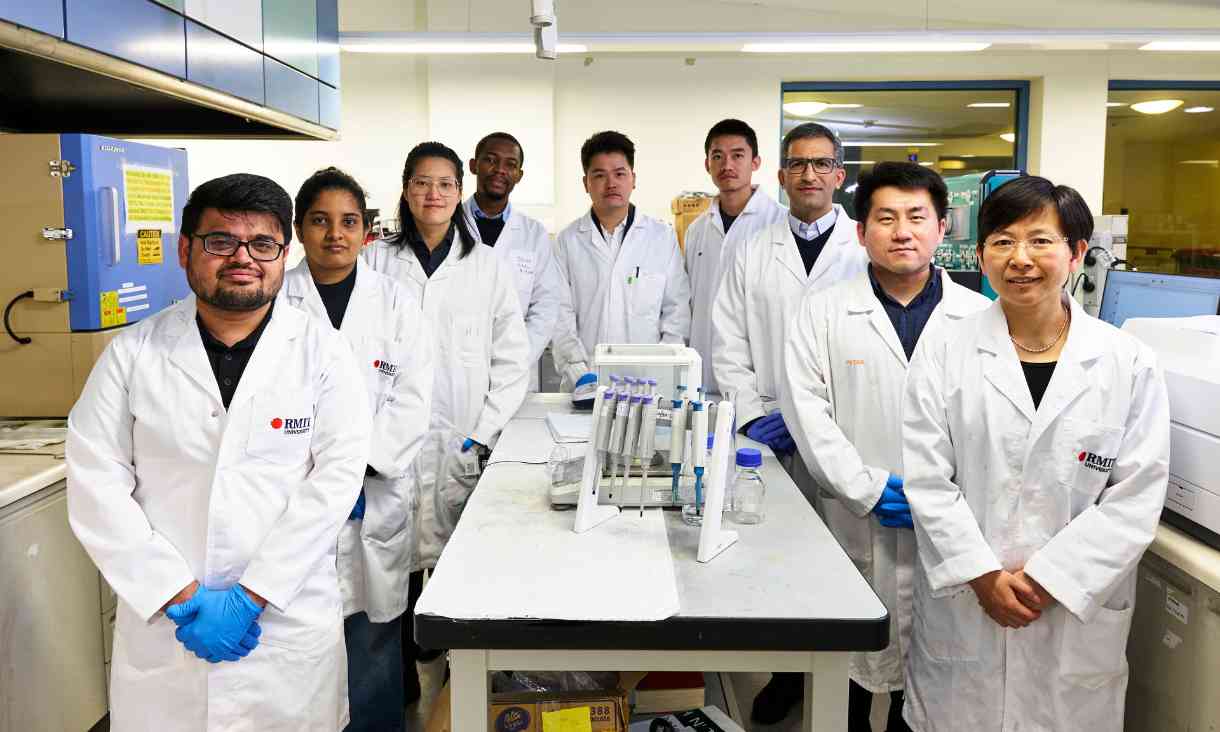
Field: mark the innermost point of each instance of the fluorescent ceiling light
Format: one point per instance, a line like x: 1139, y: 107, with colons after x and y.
x: 927, y: 163
x: 1157, y: 106
x: 869, y: 143
x: 1008, y: 136
x: 1198, y: 110
x: 1213, y: 163
x: 1116, y: 104
x: 1181, y: 46
x: 864, y: 47
x: 989, y: 105
x: 454, y: 46
x: 859, y: 162
x: 967, y: 156
x: 805, y: 109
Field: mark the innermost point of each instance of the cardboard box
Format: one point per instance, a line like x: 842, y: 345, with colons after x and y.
x: 608, y: 711
x: 686, y: 208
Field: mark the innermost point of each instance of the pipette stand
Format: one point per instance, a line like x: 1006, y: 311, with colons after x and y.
x: 713, y: 541
x: 589, y: 513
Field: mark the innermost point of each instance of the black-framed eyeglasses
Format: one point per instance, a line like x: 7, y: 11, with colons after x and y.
x: 260, y: 248
x: 796, y: 166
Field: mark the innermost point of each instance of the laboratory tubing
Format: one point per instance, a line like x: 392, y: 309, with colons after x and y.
x: 749, y: 490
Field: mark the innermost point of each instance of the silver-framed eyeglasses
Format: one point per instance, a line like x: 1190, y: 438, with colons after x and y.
x: 420, y: 185
x: 1035, y: 245
x: 796, y: 166
x: 260, y: 248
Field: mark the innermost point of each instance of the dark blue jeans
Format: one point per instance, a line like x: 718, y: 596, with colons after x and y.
x: 374, y: 675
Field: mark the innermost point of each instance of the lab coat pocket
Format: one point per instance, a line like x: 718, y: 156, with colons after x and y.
x: 461, y: 474
x: 383, y: 358
x: 281, y: 428
x: 1095, y: 653
x: 1094, y: 452
x: 143, y: 647
x: 523, y: 263
x: 386, y: 507
x: 949, y: 628
x: 466, y: 339
x: 853, y: 533
x: 646, y: 291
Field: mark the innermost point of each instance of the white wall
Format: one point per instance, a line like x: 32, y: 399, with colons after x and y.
x: 666, y: 106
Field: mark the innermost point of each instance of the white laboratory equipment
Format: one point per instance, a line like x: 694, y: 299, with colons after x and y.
x: 670, y: 364
x: 713, y: 540
x: 1107, y: 247
x: 749, y: 493
x: 1188, y: 350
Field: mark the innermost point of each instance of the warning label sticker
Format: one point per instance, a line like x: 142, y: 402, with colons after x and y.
x: 148, y: 194
x: 148, y: 246
x: 112, y: 312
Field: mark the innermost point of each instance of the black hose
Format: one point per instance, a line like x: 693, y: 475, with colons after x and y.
x: 8, y: 309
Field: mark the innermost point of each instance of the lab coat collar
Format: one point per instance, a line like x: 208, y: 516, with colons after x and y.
x: 299, y: 286
x: 753, y: 204
x: 843, y: 235
x: 511, y: 219
x: 861, y: 300
x: 187, y: 353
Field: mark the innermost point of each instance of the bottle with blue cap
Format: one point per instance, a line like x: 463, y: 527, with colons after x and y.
x: 749, y: 492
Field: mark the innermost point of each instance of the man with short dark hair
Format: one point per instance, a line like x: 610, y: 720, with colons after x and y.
x: 623, y: 270
x: 741, y: 210
x: 844, y: 369
x: 216, y: 450
x: 522, y: 242
x: 812, y: 248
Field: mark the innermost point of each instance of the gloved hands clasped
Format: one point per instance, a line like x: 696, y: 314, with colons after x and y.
x: 892, y: 509
x: 585, y: 390
x: 217, y: 625
x: 772, y: 432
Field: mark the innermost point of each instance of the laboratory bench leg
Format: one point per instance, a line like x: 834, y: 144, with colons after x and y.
x: 826, y: 693
x: 468, y: 686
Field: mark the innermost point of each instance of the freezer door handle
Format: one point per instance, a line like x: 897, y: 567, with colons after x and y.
x: 111, y: 196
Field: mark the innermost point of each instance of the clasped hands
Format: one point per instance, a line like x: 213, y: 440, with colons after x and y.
x: 1011, y: 599
x: 216, y: 625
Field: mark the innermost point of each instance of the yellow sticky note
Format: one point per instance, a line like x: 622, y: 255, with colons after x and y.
x: 577, y: 719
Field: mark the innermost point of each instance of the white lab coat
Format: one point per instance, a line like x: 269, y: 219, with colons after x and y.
x: 525, y: 246
x: 385, y: 327
x: 760, y: 293
x: 607, y: 302
x: 1072, y: 492
x: 165, y: 486
x: 708, y: 250
x: 844, y: 377
x: 481, y: 374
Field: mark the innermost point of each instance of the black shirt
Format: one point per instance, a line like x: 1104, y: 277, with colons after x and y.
x: 909, y: 320
x: 727, y: 220
x: 811, y: 248
x: 229, y: 362
x: 335, y: 297
x: 1038, y: 377
x: 489, y: 229
x: 430, y: 261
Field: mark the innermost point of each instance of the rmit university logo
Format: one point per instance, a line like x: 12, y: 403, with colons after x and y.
x: 1093, y: 461
x: 292, y: 425
x: 385, y: 367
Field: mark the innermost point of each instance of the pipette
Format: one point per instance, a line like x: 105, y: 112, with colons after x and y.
x: 631, y: 436
x: 617, y: 430
x: 646, y: 445
x: 698, y: 449
x: 603, y: 415
x: 677, y: 437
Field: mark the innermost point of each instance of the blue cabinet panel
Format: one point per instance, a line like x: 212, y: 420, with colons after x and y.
x: 290, y: 91
x: 328, y: 103
x: 328, y: 41
x: 46, y: 16
x: 223, y: 64
x: 139, y: 31
x: 290, y: 33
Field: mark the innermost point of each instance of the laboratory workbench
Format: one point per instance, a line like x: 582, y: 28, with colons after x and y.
x: 785, y: 597
x: 24, y: 475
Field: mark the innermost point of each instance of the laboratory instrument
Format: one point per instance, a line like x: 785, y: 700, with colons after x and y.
x: 749, y: 491
x: 698, y: 437
x: 956, y: 254
x: 712, y: 540
x: 589, y: 512
x: 677, y: 437
x: 92, y: 243
x: 669, y: 364
x: 1188, y: 351
x: 646, y: 445
x: 1107, y: 248
x: 1131, y: 294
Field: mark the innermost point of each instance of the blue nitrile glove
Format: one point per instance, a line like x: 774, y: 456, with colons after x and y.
x: 469, y: 443
x: 357, y: 513
x: 772, y: 432
x: 892, y: 508
x: 585, y: 389
x: 217, y: 625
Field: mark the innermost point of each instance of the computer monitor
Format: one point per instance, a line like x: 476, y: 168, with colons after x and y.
x: 1130, y: 294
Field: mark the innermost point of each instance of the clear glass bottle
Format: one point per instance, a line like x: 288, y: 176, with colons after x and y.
x: 749, y: 490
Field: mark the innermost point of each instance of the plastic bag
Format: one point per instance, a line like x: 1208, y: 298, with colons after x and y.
x: 517, y: 681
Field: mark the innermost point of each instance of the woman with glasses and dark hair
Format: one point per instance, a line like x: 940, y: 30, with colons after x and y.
x: 1036, y: 453
x: 470, y: 302
x: 384, y: 325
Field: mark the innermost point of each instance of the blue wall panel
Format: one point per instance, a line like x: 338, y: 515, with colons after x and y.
x: 290, y: 91
x: 145, y: 33
x: 46, y: 16
x: 223, y: 64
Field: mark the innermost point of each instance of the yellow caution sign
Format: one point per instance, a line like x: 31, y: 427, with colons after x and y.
x: 112, y: 313
x: 149, y: 196
x: 148, y: 246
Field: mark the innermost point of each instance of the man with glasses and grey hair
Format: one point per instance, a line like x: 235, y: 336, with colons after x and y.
x: 212, y: 458
x: 812, y: 248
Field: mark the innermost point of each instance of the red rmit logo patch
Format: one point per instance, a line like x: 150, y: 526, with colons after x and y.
x: 1081, y: 456
x: 277, y: 423
x: 377, y: 364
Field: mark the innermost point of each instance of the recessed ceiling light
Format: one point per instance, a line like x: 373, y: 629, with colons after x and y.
x: 927, y: 163
x: 1181, y: 46
x: 859, y: 162
x: 989, y: 105
x: 870, y: 143
x: 454, y: 46
x: 805, y: 109
x: 1212, y: 163
x: 1008, y: 136
x: 1116, y: 104
x: 967, y: 156
x: 844, y: 106
x: 1157, y: 106
x: 864, y: 47
x: 1198, y: 110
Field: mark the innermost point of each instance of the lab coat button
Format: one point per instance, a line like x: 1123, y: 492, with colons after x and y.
x: 215, y: 412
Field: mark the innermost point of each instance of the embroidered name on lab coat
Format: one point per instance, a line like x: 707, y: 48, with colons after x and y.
x: 1093, y: 461
x: 292, y: 425
x: 385, y: 367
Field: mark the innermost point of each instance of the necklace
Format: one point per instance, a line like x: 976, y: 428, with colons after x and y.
x: 1067, y: 317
